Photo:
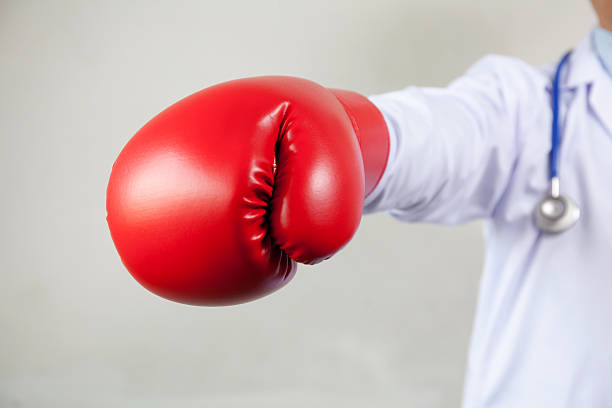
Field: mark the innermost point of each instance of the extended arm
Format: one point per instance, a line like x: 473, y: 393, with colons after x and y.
x: 452, y: 149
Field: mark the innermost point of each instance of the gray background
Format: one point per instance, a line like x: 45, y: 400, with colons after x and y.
x: 384, y: 323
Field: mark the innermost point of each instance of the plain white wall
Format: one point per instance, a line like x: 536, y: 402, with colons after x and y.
x: 384, y: 323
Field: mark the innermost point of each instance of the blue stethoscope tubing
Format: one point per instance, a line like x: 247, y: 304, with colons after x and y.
x: 556, y: 130
x: 556, y: 213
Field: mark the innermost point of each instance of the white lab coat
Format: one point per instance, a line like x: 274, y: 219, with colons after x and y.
x: 478, y: 149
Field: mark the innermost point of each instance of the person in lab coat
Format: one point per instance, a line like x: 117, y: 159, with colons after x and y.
x: 478, y: 149
x: 281, y: 173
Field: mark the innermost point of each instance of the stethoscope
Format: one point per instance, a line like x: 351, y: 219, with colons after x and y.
x: 556, y: 212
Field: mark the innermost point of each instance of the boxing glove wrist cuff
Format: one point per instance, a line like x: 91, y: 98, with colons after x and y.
x: 372, y: 133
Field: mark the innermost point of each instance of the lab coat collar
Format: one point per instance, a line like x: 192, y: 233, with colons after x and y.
x: 585, y: 69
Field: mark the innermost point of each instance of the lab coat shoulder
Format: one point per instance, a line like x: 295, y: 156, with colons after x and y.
x: 523, y: 88
x: 454, y: 149
x: 524, y: 95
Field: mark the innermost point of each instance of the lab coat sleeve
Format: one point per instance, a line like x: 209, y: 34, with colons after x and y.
x: 453, y: 149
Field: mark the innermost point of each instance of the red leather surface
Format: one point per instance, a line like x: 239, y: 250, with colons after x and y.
x: 372, y: 133
x: 214, y: 200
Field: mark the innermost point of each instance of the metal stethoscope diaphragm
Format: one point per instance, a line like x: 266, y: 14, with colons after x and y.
x: 556, y: 213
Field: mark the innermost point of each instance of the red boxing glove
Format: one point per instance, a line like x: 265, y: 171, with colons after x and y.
x: 214, y: 200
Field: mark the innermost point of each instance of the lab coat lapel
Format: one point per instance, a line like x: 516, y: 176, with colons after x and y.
x: 601, y: 99
x: 586, y: 69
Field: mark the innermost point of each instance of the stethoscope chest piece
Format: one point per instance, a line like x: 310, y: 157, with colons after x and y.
x: 556, y: 214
